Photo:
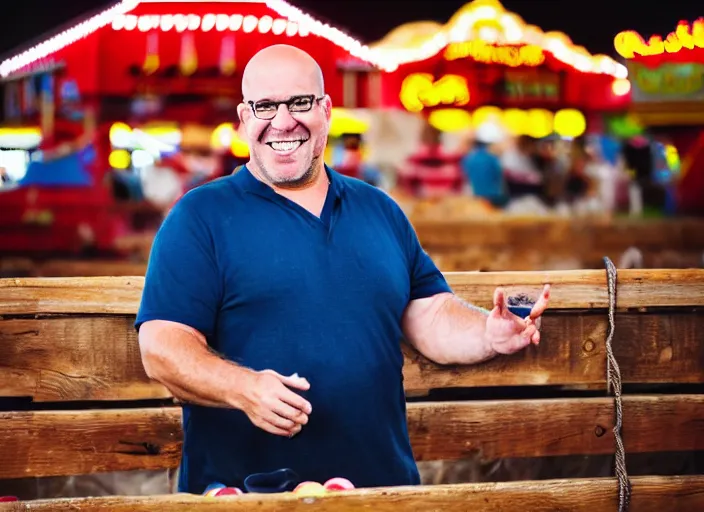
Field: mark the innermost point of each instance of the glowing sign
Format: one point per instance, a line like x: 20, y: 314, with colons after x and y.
x: 629, y: 43
x: 418, y: 91
x: 679, y: 79
x: 513, y: 56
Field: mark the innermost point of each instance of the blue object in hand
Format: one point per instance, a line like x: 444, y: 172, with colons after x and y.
x: 520, y: 305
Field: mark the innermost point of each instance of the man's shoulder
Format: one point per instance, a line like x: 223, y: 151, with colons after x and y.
x: 369, y: 194
x: 211, y: 195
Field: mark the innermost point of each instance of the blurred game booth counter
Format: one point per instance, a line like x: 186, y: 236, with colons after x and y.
x: 487, y: 67
x: 151, y: 88
x: 667, y: 77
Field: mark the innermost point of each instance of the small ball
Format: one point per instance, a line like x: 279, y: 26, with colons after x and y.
x: 310, y: 489
x: 338, y: 484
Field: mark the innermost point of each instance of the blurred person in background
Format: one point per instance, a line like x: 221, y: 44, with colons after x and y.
x: 482, y: 167
x: 523, y: 177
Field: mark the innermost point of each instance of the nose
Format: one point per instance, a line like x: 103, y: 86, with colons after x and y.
x: 283, y: 120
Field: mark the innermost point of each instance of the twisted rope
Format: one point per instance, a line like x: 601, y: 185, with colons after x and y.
x: 613, y: 374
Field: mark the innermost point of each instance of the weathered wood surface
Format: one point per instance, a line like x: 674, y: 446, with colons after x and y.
x: 580, y: 289
x: 90, y: 268
x: 649, y: 494
x: 67, y: 358
x: 81, y: 442
x: 73, y: 358
x: 61, y: 443
x: 565, y: 235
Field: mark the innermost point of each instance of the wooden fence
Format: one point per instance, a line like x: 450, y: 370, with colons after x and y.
x: 67, y: 341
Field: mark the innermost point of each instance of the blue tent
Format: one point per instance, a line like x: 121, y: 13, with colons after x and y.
x: 67, y: 171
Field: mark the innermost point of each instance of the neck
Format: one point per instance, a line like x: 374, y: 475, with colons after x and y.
x: 318, y: 182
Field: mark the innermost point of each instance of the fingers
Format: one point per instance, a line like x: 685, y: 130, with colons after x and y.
x: 296, y: 401
x: 272, y: 429
x: 541, y: 304
x: 296, y: 416
x: 500, y: 300
x: 293, y: 381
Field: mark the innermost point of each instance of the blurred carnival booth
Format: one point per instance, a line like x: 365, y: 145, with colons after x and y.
x: 488, y: 76
x: 668, y: 104
x: 111, y: 119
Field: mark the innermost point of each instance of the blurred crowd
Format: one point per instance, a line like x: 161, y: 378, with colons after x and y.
x: 592, y: 174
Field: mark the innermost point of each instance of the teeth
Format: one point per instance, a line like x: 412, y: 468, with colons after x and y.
x: 288, y: 145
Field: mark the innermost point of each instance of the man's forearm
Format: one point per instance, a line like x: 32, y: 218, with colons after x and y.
x: 189, y: 370
x: 455, y: 332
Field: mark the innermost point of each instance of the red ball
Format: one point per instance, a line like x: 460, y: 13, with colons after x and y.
x: 338, y: 484
x: 228, y: 490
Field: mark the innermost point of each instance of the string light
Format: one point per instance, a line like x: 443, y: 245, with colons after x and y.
x: 488, y: 21
x: 65, y: 38
x: 296, y: 22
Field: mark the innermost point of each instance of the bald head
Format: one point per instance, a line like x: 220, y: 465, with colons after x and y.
x: 286, y: 145
x: 282, y: 65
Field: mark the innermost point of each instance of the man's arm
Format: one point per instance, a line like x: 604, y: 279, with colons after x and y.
x: 448, y: 330
x: 178, y: 357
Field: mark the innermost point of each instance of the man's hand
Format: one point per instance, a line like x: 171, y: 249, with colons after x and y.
x: 272, y: 406
x: 508, y: 333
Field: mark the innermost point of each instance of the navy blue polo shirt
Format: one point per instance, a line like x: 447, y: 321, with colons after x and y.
x: 272, y: 286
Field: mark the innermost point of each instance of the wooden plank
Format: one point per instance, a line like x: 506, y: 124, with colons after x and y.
x: 587, y: 289
x: 111, y: 295
x: 553, y: 427
x: 98, y: 358
x: 650, y: 348
x: 562, y: 235
x: 73, y: 358
x: 62, y: 443
x: 572, y: 289
x: 90, y: 268
x: 649, y: 494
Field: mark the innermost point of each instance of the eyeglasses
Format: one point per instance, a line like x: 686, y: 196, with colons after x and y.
x: 267, y: 109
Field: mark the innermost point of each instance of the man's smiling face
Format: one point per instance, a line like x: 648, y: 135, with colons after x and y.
x: 286, y: 150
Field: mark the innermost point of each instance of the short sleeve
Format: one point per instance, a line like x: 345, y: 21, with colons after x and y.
x: 182, y: 282
x: 426, y: 278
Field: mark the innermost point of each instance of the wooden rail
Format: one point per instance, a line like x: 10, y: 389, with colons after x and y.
x: 72, y: 340
x: 650, y: 494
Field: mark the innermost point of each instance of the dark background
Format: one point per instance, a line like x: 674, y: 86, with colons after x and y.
x: 592, y: 24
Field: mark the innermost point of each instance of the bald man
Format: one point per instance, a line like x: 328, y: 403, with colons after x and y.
x: 276, y: 298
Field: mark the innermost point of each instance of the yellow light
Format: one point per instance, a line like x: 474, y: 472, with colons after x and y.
x: 419, y: 91
x: 20, y: 138
x: 540, y: 123
x: 516, y: 121
x: 344, y: 121
x: 239, y: 147
x: 512, y: 56
x: 450, y: 119
x: 629, y: 42
x: 672, y: 157
x: 120, y: 135
x: 621, y: 86
x: 482, y: 22
x: 119, y: 159
x: 222, y: 136
x: 570, y: 123
x: 484, y: 114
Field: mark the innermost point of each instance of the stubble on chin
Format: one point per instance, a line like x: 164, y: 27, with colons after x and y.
x: 292, y: 183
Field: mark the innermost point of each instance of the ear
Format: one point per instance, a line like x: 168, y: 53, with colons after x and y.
x: 327, y: 105
x: 243, y: 113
